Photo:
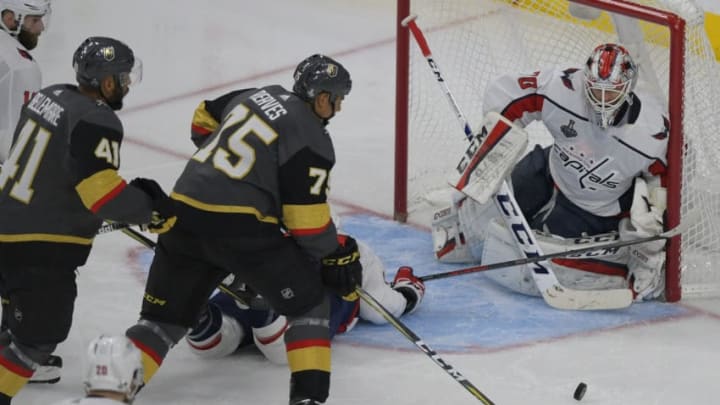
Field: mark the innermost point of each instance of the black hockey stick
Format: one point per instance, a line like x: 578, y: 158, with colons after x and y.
x: 516, y: 262
x: 112, y: 227
x: 411, y: 336
x: 370, y: 300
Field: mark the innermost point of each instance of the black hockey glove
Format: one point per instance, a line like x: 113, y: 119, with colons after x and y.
x: 341, y: 270
x: 163, y: 214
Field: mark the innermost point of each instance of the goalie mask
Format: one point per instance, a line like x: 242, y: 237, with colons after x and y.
x: 610, y: 77
x: 319, y: 73
x: 114, y: 364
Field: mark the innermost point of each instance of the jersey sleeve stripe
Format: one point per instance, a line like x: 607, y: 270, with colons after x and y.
x: 224, y: 209
x: 306, y: 219
x: 96, y: 190
x: 203, y: 122
x: 531, y: 103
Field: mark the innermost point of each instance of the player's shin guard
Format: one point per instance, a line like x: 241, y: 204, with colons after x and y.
x: 17, y: 363
x: 154, y: 339
x: 307, y: 341
x: 15, y: 371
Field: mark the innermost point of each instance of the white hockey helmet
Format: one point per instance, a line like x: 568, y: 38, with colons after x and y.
x: 114, y: 364
x: 610, y: 77
x: 24, y: 8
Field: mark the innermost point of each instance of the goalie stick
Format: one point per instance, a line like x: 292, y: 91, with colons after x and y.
x: 112, y: 227
x: 411, y: 336
x: 552, y: 291
x: 533, y: 259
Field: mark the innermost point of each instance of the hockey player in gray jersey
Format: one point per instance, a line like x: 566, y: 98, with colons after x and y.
x: 602, y: 176
x: 59, y: 183
x: 22, y: 23
x: 244, y: 318
x: 263, y: 168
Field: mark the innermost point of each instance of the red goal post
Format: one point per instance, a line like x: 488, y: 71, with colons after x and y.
x: 476, y: 40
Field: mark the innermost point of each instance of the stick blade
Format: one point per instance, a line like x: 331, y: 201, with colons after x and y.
x: 587, y: 300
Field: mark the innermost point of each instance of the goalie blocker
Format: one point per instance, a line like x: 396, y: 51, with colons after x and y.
x: 485, y: 164
x: 489, y: 158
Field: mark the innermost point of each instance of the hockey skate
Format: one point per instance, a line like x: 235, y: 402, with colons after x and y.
x: 48, y: 372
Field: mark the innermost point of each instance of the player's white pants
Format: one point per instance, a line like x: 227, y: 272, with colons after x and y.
x: 374, y: 283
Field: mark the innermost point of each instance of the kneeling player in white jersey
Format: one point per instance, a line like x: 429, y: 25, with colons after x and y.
x: 113, y: 374
x: 228, y: 325
x: 602, y: 175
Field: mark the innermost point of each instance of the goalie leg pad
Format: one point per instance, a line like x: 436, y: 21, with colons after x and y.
x: 500, y: 246
x: 448, y: 237
x: 459, y: 229
x: 596, y: 270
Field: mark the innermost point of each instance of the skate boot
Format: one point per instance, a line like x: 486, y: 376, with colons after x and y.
x: 48, y: 372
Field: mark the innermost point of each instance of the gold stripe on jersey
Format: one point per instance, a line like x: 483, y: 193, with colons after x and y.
x: 225, y: 209
x: 203, y: 120
x: 306, y: 218
x: 96, y: 188
x: 309, y: 358
x: 46, y: 237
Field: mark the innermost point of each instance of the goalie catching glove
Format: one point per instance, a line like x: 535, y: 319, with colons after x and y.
x: 646, y: 260
x: 341, y: 270
x: 163, y: 213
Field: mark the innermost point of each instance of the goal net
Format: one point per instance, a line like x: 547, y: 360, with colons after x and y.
x: 474, y: 41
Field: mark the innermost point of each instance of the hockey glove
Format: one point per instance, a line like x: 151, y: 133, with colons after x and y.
x: 163, y: 215
x: 411, y: 287
x: 646, y: 260
x: 341, y: 270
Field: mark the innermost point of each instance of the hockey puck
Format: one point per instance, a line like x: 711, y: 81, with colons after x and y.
x: 580, y: 391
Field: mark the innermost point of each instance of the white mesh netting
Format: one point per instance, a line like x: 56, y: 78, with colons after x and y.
x: 474, y: 41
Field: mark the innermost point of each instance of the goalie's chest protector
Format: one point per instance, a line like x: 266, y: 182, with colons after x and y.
x: 592, y: 166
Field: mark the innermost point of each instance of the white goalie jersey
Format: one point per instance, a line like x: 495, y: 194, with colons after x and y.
x: 19, y: 78
x: 593, y: 167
